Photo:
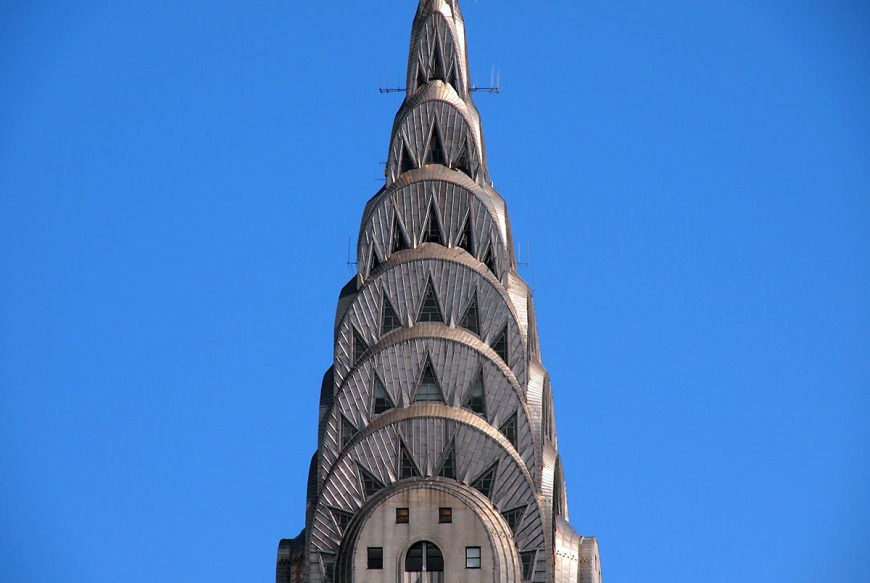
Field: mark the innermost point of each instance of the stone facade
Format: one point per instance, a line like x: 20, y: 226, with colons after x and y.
x: 437, y: 457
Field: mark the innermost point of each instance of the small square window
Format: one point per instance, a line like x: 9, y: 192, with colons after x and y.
x: 403, y: 516
x: 376, y: 558
x: 445, y: 515
x: 472, y: 557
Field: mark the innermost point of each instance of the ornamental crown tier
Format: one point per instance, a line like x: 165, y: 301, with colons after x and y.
x: 437, y: 456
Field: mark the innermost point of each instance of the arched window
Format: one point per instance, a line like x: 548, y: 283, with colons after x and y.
x: 424, y: 557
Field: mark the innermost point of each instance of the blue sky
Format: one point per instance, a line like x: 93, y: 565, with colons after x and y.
x: 178, y: 183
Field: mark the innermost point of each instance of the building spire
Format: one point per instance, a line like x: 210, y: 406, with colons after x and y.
x: 438, y: 110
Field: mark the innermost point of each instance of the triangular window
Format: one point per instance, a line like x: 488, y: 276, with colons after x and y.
x: 486, y: 481
x: 371, y: 485
x: 500, y: 345
x: 438, y: 68
x: 428, y: 389
x: 432, y: 231
x: 475, y: 400
x: 389, y: 318
x: 422, y: 74
x: 435, y: 149
x: 407, y: 162
x: 509, y: 429
x: 470, y: 320
x: 327, y: 564
x: 513, y: 517
x: 466, y: 240
x: 360, y: 346
x: 430, y: 311
x: 399, y: 241
x: 348, y: 431
x: 407, y: 467
x: 462, y: 163
x: 375, y: 260
x: 342, y: 519
x: 382, y: 400
x: 489, y: 260
x: 528, y: 560
x: 448, y: 465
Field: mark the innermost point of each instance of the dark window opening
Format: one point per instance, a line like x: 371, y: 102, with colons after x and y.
x: 403, y: 516
x: 448, y: 466
x: 500, y: 345
x: 528, y: 561
x: 399, y: 241
x: 435, y: 149
x: 475, y: 400
x: 428, y: 389
x: 470, y: 319
x: 445, y: 515
x: 375, y: 558
x: 328, y: 562
x: 370, y: 484
x: 407, y: 467
x: 348, y: 431
x: 342, y: 519
x: 389, y: 318
x: 462, y: 163
x: 465, y: 236
x: 407, y: 162
x: 509, y: 429
x: 513, y: 517
x: 382, y: 400
x: 375, y: 261
x: 424, y: 557
x: 485, y: 482
x: 360, y: 346
x: 430, y: 311
x: 432, y: 230
x: 489, y: 261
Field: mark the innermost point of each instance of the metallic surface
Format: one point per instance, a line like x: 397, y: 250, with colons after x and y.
x: 437, y: 180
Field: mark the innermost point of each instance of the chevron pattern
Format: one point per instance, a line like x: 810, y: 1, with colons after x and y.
x: 437, y: 381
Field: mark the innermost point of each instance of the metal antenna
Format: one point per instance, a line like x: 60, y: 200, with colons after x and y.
x: 494, y: 84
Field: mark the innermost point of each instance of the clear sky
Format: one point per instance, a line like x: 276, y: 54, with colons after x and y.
x: 690, y: 182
